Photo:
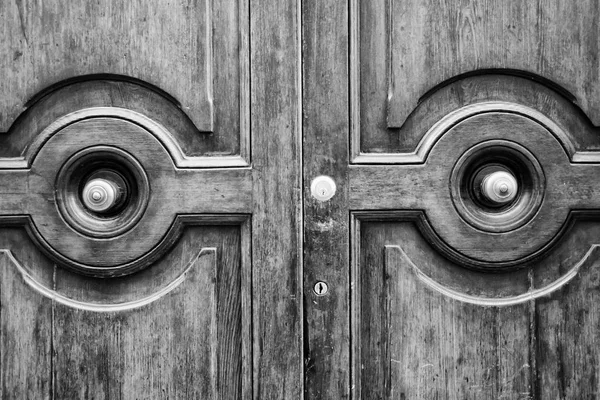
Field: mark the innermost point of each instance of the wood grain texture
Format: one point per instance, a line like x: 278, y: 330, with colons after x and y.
x: 151, y: 107
x: 194, y: 342
x: 186, y: 191
x: 407, y: 77
x: 418, y: 344
x: 26, y: 322
x: 326, y: 225
x: 568, y: 326
x: 420, y: 45
x: 413, y: 341
x: 276, y: 227
x: 425, y: 181
x: 168, y: 45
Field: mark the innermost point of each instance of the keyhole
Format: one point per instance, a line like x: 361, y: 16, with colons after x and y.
x: 320, y: 288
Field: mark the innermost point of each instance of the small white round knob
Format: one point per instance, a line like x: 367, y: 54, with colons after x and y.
x: 100, y: 195
x: 322, y: 188
x: 499, y: 187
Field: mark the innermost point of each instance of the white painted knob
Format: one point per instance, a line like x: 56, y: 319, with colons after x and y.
x: 100, y: 195
x: 499, y: 187
x: 322, y: 188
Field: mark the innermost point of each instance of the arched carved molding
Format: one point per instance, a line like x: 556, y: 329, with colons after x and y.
x: 396, y: 258
x: 475, y: 94
x: 181, y: 189
x: 408, y: 254
x: 132, y: 293
x: 77, y: 98
x: 559, y: 162
x: 457, y: 41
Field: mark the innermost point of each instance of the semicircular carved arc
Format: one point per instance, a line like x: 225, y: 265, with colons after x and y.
x: 204, y: 259
x: 536, y: 99
x: 395, y: 255
x: 137, y: 101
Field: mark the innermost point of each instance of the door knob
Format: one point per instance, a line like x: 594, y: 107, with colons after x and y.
x: 499, y: 187
x: 104, y: 192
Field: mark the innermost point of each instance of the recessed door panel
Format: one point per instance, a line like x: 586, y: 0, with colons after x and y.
x: 133, y: 212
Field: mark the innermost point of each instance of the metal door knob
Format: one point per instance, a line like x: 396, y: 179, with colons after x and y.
x: 102, y: 195
x: 499, y: 187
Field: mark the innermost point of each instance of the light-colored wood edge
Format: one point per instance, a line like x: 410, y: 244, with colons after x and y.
x: 99, y: 307
x: 166, y: 243
x: 354, y: 14
x: 419, y: 156
x: 420, y: 219
x: 209, y: 59
x: 246, y: 287
x: 355, y: 308
x: 244, y: 58
x: 160, y: 132
x: 530, y: 295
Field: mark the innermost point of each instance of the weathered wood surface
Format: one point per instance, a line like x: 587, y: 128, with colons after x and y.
x: 413, y: 341
x: 168, y: 45
x: 326, y: 225
x: 404, y: 49
x: 197, y: 52
x: 26, y: 323
x: 276, y: 227
x: 193, y: 341
x: 429, y: 43
x: 172, y: 191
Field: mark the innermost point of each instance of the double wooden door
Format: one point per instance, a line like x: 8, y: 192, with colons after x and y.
x: 283, y: 199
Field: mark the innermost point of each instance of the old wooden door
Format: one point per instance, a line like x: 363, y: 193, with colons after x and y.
x: 460, y: 250
x: 149, y: 229
x: 365, y: 199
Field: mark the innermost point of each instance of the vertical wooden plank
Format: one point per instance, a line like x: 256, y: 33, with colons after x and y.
x: 26, y: 325
x: 568, y: 337
x: 276, y: 237
x: 326, y: 240
x: 186, y: 344
x: 417, y: 343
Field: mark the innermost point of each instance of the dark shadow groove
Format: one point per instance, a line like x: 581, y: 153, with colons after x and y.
x: 502, y: 71
x: 99, y: 77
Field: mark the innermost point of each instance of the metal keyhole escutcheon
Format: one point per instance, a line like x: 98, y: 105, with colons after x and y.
x: 321, y: 288
x: 322, y: 188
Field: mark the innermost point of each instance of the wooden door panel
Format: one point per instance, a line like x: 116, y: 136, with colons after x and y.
x: 437, y: 308
x: 163, y: 294
x: 170, y: 47
x: 425, y: 328
x: 180, y: 327
x: 403, y: 50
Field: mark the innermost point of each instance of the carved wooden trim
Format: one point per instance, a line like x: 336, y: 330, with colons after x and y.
x: 406, y: 181
x: 484, y: 49
x: 419, y: 155
x: 354, y: 82
x: 355, y: 308
x: 179, y: 158
x: 197, y: 102
x: 393, y: 253
x: 196, y: 185
x: 122, y: 306
x: 420, y: 219
x: 530, y: 295
x: 169, y: 239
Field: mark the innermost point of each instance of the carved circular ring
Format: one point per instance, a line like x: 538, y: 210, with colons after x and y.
x: 497, y: 156
x: 91, y: 161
